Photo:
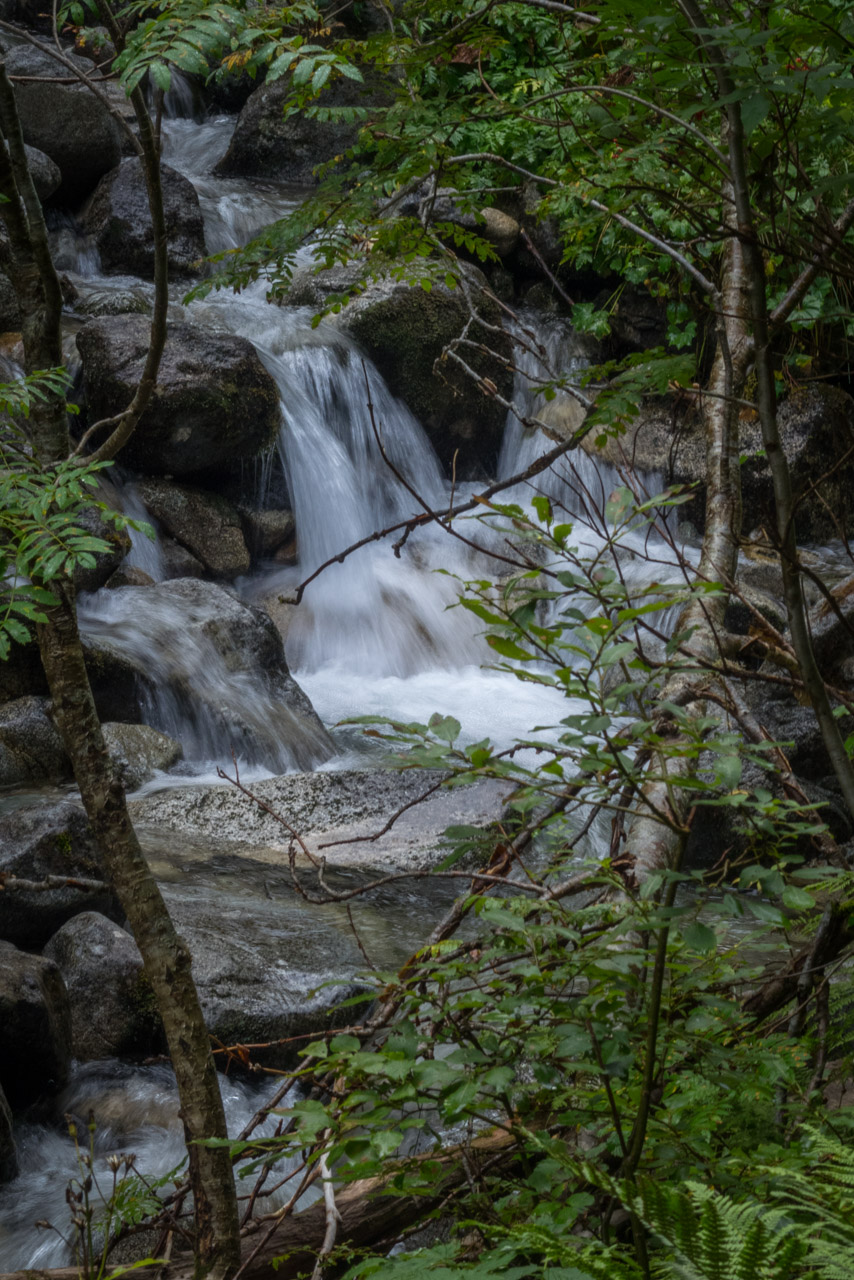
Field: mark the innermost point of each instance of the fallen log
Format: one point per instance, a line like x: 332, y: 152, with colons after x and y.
x: 368, y: 1215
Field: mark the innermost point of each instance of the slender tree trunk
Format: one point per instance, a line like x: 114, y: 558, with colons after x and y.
x: 166, y: 959
x: 655, y: 831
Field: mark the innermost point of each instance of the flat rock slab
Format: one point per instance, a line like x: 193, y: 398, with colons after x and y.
x: 345, y: 806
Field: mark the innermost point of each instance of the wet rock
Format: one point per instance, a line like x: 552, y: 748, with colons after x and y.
x: 31, y: 749
x: 265, y: 531
x: 48, y: 840
x: 267, y: 144
x: 179, y: 561
x: 217, y: 662
x: 8, y: 1151
x: 91, y: 577
x: 35, y: 1052
x: 816, y: 428
x: 205, y: 523
x: 215, y: 403
x: 127, y: 575
x: 113, y: 1011
x: 46, y: 175
x: 65, y: 121
x: 405, y: 332
x: 139, y: 751
x: 119, y: 218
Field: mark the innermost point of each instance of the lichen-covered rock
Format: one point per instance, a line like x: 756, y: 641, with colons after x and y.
x: 205, y: 523
x: 48, y: 840
x: 405, y: 331
x: 267, y: 144
x: 113, y: 1012
x: 35, y: 1043
x: 65, y: 121
x: 215, y: 403
x: 119, y: 218
x: 31, y: 749
x: 266, y: 530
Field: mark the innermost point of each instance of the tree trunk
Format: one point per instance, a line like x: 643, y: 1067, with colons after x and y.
x: 167, y: 962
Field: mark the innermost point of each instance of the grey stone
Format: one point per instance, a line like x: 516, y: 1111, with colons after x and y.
x: 405, y: 332
x: 119, y: 218
x: 35, y: 1047
x: 344, y: 804
x: 816, y: 429
x: 138, y: 751
x: 91, y: 577
x: 66, y: 122
x: 31, y: 749
x: 48, y: 840
x: 268, y: 144
x: 498, y: 228
x: 215, y: 403
x: 8, y: 1151
x: 46, y: 175
x: 205, y: 523
x: 265, y: 531
x: 127, y: 575
x: 113, y: 1012
x: 179, y: 561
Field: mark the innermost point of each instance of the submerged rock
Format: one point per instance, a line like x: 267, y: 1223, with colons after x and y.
x: 112, y: 1008
x: 215, y: 403
x: 119, y: 218
x: 65, y: 121
x: 48, y: 840
x: 36, y: 1027
x: 205, y: 523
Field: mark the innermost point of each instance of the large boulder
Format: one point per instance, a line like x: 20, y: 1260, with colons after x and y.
x: 119, y: 218
x: 35, y: 1049
x: 406, y: 331
x: 40, y: 842
x: 817, y: 432
x: 215, y: 403
x: 65, y: 121
x: 113, y: 1012
x: 212, y: 667
x: 205, y: 523
x: 31, y: 749
x: 268, y: 144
